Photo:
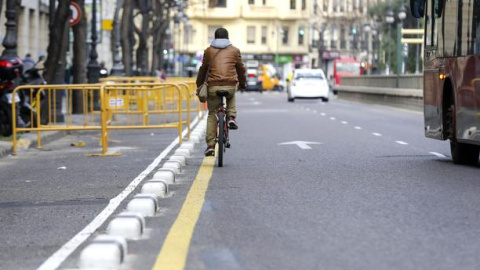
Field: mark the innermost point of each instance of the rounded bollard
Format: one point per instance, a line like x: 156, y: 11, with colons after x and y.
x: 145, y: 204
x: 190, y: 147
x: 166, y: 175
x: 157, y: 187
x: 181, y: 159
x: 183, y: 152
x: 103, y: 252
x: 127, y: 224
x: 174, y: 165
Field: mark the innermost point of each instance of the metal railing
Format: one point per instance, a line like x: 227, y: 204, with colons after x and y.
x: 122, y: 106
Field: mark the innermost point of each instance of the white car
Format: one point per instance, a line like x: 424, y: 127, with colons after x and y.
x: 308, y: 83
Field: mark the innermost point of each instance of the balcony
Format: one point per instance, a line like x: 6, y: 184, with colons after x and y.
x: 259, y: 12
x: 204, y: 12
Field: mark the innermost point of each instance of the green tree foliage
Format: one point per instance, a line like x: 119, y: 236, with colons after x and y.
x: 378, y: 13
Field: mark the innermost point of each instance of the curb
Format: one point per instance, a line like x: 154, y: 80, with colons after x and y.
x: 47, y: 137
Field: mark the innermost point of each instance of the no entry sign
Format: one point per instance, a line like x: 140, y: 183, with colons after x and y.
x: 75, y: 13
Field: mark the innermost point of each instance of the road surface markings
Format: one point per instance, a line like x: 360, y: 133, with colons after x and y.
x: 303, y: 145
x: 173, y: 254
x: 438, y: 154
x: 256, y: 103
x: 332, y: 118
x: 323, y: 114
x: 308, y: 109
x: 358, y: 128
x: 401, y: 142
x: 315, y: 111
x: 377, y: 134
x: 54, y: 261
x: 344, y: 122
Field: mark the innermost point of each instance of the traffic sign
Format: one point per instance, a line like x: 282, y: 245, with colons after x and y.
x: 75, y: 13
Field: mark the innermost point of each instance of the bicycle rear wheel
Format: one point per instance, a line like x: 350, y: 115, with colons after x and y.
x: 221, y: 140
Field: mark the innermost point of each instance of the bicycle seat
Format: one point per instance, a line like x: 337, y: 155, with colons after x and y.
x: 222, y: 93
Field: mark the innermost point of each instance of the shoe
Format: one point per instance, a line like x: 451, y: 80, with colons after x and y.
x: 210, y: 152
x: 232, y: 124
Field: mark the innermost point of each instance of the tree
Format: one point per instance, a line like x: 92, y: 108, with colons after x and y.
x: 57, y: 46
x: 128, y: 40
x: 79, y: 63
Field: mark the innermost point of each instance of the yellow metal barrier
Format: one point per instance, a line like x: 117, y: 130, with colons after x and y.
x: 119, y: 104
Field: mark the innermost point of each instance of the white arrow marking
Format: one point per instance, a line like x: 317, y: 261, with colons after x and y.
x: 303, y: 145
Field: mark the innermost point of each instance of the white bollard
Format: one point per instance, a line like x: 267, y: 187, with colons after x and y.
x: 190, y: 147
x: 174, y: 165
x: 104, y: 252
x: 181, y: 159
x: 128, y: 225
x: 145, y: 204
x: 166, y: 175
x: 157, y: 187
x: 183, y: 152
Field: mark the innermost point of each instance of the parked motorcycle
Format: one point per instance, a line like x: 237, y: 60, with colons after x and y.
x: 32, y: 76
x: 11, y: 77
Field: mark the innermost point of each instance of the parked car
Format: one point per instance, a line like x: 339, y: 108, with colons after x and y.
x: 253, y: 82
x: 308, y: 83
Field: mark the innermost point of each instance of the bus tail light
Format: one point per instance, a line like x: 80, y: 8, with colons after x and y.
x: 442, y: 76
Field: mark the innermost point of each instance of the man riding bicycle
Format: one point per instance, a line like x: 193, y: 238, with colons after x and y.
x: 226, y: 71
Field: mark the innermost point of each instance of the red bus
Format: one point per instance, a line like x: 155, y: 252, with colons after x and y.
x: 345, y: 66
x: 451, y: 88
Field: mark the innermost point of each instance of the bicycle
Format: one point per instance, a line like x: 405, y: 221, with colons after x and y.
x: 222, y: 128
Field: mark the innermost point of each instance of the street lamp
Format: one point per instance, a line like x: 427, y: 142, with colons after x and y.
x: 10, y: 40
x: 118, y: 69
x: 402, y: 14
x: 389, y: 19
x: 93, y: 68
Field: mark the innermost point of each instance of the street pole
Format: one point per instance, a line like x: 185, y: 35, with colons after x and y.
x: 417, y: 60
x: 118, y: 69
x: 10, y: 40
x: 93, y: 68
x: 399, y: 50
x: 389, y: 49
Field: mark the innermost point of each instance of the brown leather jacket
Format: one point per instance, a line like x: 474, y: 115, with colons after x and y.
x: 226, y: 69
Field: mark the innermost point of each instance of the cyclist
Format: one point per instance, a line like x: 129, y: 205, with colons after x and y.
x: 226, y: 72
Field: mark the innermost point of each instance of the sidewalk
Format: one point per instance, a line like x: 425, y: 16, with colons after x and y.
x: 28, y: 140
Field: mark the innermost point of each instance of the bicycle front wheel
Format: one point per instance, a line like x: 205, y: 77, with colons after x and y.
x: 221, y: 140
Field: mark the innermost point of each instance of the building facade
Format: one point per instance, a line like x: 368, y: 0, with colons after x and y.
x: 267, y: 31
x: 33, y: 33
x: 342, y: 28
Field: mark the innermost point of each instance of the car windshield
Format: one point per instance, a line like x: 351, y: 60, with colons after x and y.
x: 309, y: 76
x: 351, y: 68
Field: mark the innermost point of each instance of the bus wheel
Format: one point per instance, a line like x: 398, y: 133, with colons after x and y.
x: 462, y: 153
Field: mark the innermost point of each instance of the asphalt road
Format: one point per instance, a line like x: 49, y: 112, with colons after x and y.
x: 372, y: 193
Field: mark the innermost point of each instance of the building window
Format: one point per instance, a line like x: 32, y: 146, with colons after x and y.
x: 343, y: 42
x: 304, y: 4
x: 301, y: 35
x: 211, y: 32
x: 264, y: 2
x: 250, y: 34
x: 293, y: 4
x: 361, y: 6
x: 264, y: 35
x: 342, y: 5
x: 285, y: 35
x: 251, y: 2
x: 217, y: 3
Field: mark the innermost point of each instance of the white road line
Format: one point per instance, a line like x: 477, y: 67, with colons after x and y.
x: 376, y: 134
x: 308, y: 109
x: 332, y: 118
x: 358, y: 128
x: 314, y: 111
x: 323, y: 114
x: 438, y: 154
x: 54, y: 261
x: 401, y: 142
x: 344, y: 122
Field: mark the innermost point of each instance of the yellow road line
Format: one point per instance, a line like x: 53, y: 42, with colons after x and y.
x: 173, y: 254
